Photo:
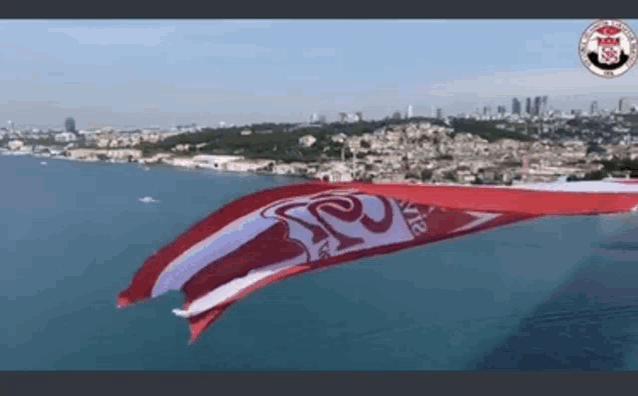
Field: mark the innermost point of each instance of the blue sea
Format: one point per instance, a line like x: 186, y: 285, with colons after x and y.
x: 552, y: 294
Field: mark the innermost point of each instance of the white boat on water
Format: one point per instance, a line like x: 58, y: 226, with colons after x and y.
x: 148, y: 199
x: 43, y: 163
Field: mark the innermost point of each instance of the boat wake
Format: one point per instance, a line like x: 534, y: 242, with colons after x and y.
x: 148, y: 200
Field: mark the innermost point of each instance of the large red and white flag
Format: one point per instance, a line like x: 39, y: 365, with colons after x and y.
x: 277, y: 233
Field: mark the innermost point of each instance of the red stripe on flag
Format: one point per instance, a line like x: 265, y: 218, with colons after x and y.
x: 270, y: 247
x: 145, y: 278
x: 493, y: 199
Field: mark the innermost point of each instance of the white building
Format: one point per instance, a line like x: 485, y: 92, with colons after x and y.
x: 338, y: 138
x: 214, y: 161
x: 65, y: 137
x: 307, y: 140
x: 15, y: 145
x: 409, y: 112
x: 246, y: 132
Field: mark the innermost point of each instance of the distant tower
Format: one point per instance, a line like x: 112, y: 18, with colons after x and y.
x: 359, y: 116
x: 314, y: 118
x: 528, y: 105
x: 516, y: 106
x: 594, y: 108
x: 623, y: 106
x: 544, y: 104
x: 537, y: 106
x: 486, y: 110
x: 408, y: 113
x: 343, y: 117
x: 69, y: 124
x: 439, y: 113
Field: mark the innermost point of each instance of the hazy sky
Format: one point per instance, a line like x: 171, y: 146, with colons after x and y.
x: 140, y: 73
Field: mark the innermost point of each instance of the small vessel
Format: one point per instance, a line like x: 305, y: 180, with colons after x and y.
x: 43, y: 163
x: 148, y: 199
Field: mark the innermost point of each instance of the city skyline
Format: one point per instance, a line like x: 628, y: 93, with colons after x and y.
x: 141, y: 73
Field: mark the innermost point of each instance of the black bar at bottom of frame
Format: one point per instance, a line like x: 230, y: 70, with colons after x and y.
x: 314, y: 383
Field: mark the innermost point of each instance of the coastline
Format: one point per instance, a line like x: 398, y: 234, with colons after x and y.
x: 301, y: 177
x: 143, y: 164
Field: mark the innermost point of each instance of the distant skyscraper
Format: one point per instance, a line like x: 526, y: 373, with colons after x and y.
x: 516, y: 106
x: 322, y: 119
x: 537, y: 106
x: 528, y: 106
x: 343, y: 117
x: 544, y: 104
x: 359, y: 116
x: 623, y: 106
x: 314, y: 118
x: 408, y: 113
x: 439, y: 113
x: 594, y: 108
x: 486, y: 110
x: 501, y: 110
x: 69, y: 124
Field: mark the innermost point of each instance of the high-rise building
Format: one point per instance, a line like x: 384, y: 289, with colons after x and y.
x: 486, y: 110
x: 359, y: 116
x: 537, y: 106
x: 408, y: 113
x: 516, y: 106
x: 314, y: 118
x: 69, y: 124
x: 624, y: 106
x: 439, y: 113
x: 594, y: 108
x: 343, y: 117
x: 528, y: 105
x: 501, y: 110
x: 545, y: 103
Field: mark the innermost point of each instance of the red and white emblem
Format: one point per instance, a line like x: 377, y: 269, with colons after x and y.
x: 608, y: 48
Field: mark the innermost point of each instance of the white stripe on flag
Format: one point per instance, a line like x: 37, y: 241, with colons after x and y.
x: 216, y: 246
x: 229, y: 290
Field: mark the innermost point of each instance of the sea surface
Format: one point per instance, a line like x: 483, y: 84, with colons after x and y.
x: 554, y: 294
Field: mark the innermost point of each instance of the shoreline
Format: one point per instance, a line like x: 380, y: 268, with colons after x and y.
x: 143, y: 163
x: 10, y: 153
